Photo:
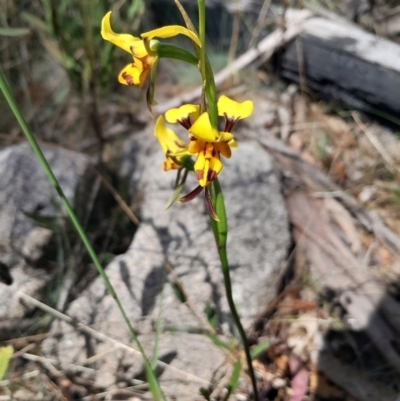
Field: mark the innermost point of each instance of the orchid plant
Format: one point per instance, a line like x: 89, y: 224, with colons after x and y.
x: 205, y: 142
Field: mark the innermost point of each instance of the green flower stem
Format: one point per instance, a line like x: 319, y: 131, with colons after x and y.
x: 46, y: 167
x: 205, y: 67
x: 220, y: 229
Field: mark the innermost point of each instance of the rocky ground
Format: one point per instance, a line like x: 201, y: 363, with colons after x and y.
x: 312, y: 198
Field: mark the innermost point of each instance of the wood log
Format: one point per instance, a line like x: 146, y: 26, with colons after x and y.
x: 341, y: 60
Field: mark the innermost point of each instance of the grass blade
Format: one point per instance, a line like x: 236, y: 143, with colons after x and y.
x: 259, y: 349
x: 78, y: 227
x: 234, y: 379
x: 11, y: 32
x: 5, y: 356
x: 174, y: 196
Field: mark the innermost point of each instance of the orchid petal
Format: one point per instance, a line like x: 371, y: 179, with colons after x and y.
x: 234, y: 110
x: 179, y: 153
x: 170, y: 31
x: 185, y: 111
x: 169, y: 141
x: 201, y: 167
x: 130, y: 75
x: 224, y: 149
x: 232, y: 144
x: 143, y: 77
x: 191, y: 195
x: 129, y: 43
x: 202, y: 129
x: 196, y: 146
x: 225, y: 136
x: 216, y: 165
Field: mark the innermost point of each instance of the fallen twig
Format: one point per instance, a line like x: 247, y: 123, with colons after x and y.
x: 100, y: 336
x: 375, y: 142
x: 368, y: 219
x: 318, y: 238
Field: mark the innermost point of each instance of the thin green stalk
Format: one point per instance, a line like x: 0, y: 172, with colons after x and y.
x: 206, y: 71
x: 202, y: 34
x: 220, y: 229
x: 46, y: 167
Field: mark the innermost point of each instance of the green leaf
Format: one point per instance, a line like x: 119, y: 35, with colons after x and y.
x: 219, y: 343
x: 182, y: 329
x: 11, y: 32
x: 234, y: 379
x: 153, y: 384
x: 166, y: 50
x: 35, y: 22
x: 259, y: 349
x: 154, y: 358
x: 5, y: 356
x: 135, y: 7
x: 174, y: 196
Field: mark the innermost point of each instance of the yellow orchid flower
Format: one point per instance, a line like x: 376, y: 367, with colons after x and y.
x: 208, y: 144
x: 233, y: 111
x: 206, y: 141
x: 173, y: 147
x: 184, y: 115
x: 202, y: 141
x: 208, y: 164
x: 203, y: 130
x: 135, y: 73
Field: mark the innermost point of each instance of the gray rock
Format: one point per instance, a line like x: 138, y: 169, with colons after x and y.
x: 258, y: 241
x: 258, y: 228
x: 25, y: 191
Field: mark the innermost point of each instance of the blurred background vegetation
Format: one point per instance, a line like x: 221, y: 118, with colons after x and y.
x: 54, y: 57
x: 64, y: 75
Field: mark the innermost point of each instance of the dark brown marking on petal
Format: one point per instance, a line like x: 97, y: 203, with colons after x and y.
x: 146, y: 64
x: 199, y: 174
x: 230, y: 123
x: 210, y: 206
x: 185, y: 122
x: 213, y: 152
x: 212, y: 175
x: 191, y: 195
x: 128, y: 78
x: 192, y: 138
